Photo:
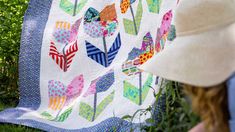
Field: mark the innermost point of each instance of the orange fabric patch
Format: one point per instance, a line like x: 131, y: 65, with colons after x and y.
x: 144, y: 57
x: 108, y: 13
x: 125, y: 5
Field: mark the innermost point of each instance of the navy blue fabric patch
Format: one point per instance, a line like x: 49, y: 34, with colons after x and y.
x: 99, y: 56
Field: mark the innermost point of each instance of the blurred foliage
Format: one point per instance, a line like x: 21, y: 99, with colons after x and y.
x: 174, y: 113
x: 178, y: 115
x: 11, y: 19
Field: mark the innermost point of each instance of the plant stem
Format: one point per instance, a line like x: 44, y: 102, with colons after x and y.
x: 75, y: 8
x: 140, y: 88
x: 95, y: 102
x: 58, y: 114
x: 65, y: 58
x: 106, y: 52
x: 133, y: 16
x: 156, y: 80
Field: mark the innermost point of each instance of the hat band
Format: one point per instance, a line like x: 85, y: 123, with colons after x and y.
x: 207, y: 28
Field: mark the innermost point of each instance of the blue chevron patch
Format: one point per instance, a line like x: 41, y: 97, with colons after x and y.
x: 99, y: 56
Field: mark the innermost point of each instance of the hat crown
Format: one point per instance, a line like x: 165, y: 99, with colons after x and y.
x: 194, y: 16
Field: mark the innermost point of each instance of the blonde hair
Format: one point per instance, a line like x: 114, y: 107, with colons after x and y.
x: 211, y: 105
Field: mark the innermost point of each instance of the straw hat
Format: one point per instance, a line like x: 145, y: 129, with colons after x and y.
x: 203, y: 54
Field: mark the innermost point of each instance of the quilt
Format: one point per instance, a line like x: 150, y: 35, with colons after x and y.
x: 78, y: 64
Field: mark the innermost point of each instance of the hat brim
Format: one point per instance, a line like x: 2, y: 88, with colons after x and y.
x: 204, y: 59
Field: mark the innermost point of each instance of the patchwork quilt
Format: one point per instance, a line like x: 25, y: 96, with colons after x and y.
x: 79, y: 63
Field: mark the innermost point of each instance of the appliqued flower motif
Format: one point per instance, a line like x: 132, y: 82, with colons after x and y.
x: 101, y: 24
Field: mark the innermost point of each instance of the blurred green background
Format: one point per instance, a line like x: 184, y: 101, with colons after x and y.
x: 11, y: 18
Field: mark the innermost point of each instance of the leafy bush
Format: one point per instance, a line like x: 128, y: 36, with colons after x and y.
x: 173, y: 113
x: 11, y: 18
x: 178, y: 116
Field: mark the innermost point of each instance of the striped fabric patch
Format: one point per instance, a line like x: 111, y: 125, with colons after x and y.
x: 99, y: 56
x: 63, y: 60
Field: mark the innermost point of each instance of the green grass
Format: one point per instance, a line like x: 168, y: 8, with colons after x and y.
x: 16, y: 128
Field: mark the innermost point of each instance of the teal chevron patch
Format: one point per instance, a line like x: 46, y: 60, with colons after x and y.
x: 132, y: 26
x: 47, y: 116
x: 132, y: 92
x: 154, y: 5
x: 172, y: 33
x: 64, y: 115
x: 86, y: 111
x: 60, y: 118
x: 72, y: 9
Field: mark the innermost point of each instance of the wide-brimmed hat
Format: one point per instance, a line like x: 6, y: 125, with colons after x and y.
x: 203, y: 54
